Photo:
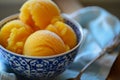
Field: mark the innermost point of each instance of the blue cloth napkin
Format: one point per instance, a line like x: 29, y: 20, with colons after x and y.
x: 99, y: 27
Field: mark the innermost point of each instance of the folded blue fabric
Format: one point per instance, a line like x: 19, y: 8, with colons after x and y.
x: 99, y: 28
x: 7, y: 76
x: 103, y: 25
x: 4, y: 75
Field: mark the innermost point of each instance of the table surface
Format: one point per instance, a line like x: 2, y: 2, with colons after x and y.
x: 115, y: 70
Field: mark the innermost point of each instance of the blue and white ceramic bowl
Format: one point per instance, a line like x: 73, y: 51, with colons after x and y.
x: 42, y: 68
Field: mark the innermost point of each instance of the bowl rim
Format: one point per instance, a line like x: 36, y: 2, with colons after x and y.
x: 15, y: 16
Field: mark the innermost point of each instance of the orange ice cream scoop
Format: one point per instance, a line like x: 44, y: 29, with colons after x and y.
x: 65, y: 32
x: 39, y: 13
x: 13, y: 35
x: 43, y: 43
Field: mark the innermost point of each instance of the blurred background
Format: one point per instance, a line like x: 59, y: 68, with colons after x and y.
x: 8, y: 7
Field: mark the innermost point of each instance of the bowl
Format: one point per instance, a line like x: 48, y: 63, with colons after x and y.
x: 42, y: 68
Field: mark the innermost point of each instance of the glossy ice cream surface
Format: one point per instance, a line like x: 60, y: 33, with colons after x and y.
x: 65, y: 32
x: 39, y: 13
x: 39, y: 31
x: 44, y: 43
x: 14, y: 34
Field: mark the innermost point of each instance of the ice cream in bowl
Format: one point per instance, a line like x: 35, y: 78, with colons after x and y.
x: 39, y: 42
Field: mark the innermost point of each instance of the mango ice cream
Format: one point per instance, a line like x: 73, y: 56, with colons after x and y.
x: 43, y: 43
x: 39, y: 13
x: 65, y: 32
x: 39, y: 31
x: 13, y: 35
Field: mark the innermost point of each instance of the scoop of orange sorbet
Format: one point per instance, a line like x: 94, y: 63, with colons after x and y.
x: 65, y: 32
x: 43, y: 43
x: 13, y: 35
x: 39, y: 13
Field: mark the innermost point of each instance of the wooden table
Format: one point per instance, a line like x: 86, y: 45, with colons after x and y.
x: 115, y: 70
